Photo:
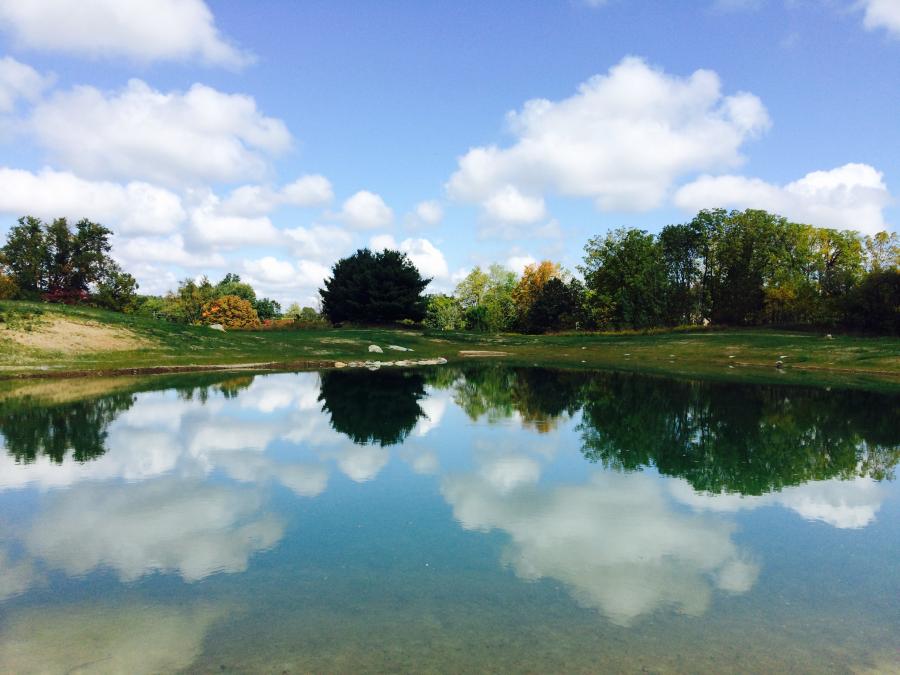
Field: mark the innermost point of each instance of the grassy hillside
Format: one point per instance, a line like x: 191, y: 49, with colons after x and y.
x: 51, y: 339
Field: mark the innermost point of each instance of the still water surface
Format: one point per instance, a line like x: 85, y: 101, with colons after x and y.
x: 486, y: 519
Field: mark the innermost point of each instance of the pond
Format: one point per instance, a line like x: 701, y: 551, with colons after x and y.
x: 448, y: 520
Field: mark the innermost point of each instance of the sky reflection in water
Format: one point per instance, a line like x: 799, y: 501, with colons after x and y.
x: 658, y: 523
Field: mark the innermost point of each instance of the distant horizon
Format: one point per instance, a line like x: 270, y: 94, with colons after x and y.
x: 271, y: 140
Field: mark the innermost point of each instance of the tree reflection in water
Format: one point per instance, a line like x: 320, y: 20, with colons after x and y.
x: 738, y: 438
x: 720, y: 437
x: 32, y: 430
x: 33, y: 427
x: 540, y: 396
x: 373, y: 407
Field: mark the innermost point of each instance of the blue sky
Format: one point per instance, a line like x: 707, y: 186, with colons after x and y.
x: 271, y: 138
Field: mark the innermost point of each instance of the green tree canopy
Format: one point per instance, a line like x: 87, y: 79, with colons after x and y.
x: 374, y: 288
x: 53, y: 260
x: 625, y: 276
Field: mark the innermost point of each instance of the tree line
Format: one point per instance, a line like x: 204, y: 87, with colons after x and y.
x: 54, y: 262
x: 735, y: 268
x: 732, y: 268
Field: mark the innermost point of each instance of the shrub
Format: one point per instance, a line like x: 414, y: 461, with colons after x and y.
x: 116, y: 290
x: 277, y: 324
x: 9, y: 289
x: 230, y: 311
x: 71, y: 296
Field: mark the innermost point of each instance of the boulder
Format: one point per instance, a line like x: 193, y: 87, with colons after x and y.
x: 217, y: 326
x: 375, y: 349
x: 398, y: 348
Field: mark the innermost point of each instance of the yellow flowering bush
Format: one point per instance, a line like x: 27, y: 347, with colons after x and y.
x: 230, y: 311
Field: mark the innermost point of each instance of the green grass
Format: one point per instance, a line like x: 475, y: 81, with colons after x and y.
x: 745, y: 355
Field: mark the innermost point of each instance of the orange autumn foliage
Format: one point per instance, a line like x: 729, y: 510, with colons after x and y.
x: 230, y: 311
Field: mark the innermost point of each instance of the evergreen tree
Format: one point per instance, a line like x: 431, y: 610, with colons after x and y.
x: 374, y: 288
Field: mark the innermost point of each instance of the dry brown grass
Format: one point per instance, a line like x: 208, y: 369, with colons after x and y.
x: 67, y: 336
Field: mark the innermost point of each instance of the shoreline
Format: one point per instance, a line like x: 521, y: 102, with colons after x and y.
x: 80, y: 342
x: 742, y: 373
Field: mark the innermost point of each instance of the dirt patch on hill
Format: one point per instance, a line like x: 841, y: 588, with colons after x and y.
x: 57, y: 334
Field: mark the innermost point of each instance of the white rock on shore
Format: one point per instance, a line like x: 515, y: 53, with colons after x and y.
x: 405, y: 363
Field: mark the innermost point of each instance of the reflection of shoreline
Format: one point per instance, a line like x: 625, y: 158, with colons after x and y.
x: 721, y: 437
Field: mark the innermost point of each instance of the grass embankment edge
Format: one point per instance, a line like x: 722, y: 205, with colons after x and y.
x: 741, y: 355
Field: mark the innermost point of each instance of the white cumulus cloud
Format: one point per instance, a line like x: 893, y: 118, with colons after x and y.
x: 518, y: 263
x: 882, y: 14
x: 310, y: 190
x: 425, y: 256
x: 366, y: 210
x: 132, y: 208
x: 257, y: 200
x: 143, y: 30
x: 271, y: 270
x: 508, y: 205
x: 211, y: 226
x: 169, y: 250
x: 20, y: 81
x: 426, y: 214
x: 323, y: 243
x: 622, y: 140
x: 852, y: 196
x: 284, y: 280
x: 166, y: 137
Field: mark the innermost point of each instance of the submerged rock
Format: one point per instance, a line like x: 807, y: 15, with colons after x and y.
x: 398, y: 348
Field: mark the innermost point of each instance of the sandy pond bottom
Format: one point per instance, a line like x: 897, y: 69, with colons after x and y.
x: 487, y: 519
